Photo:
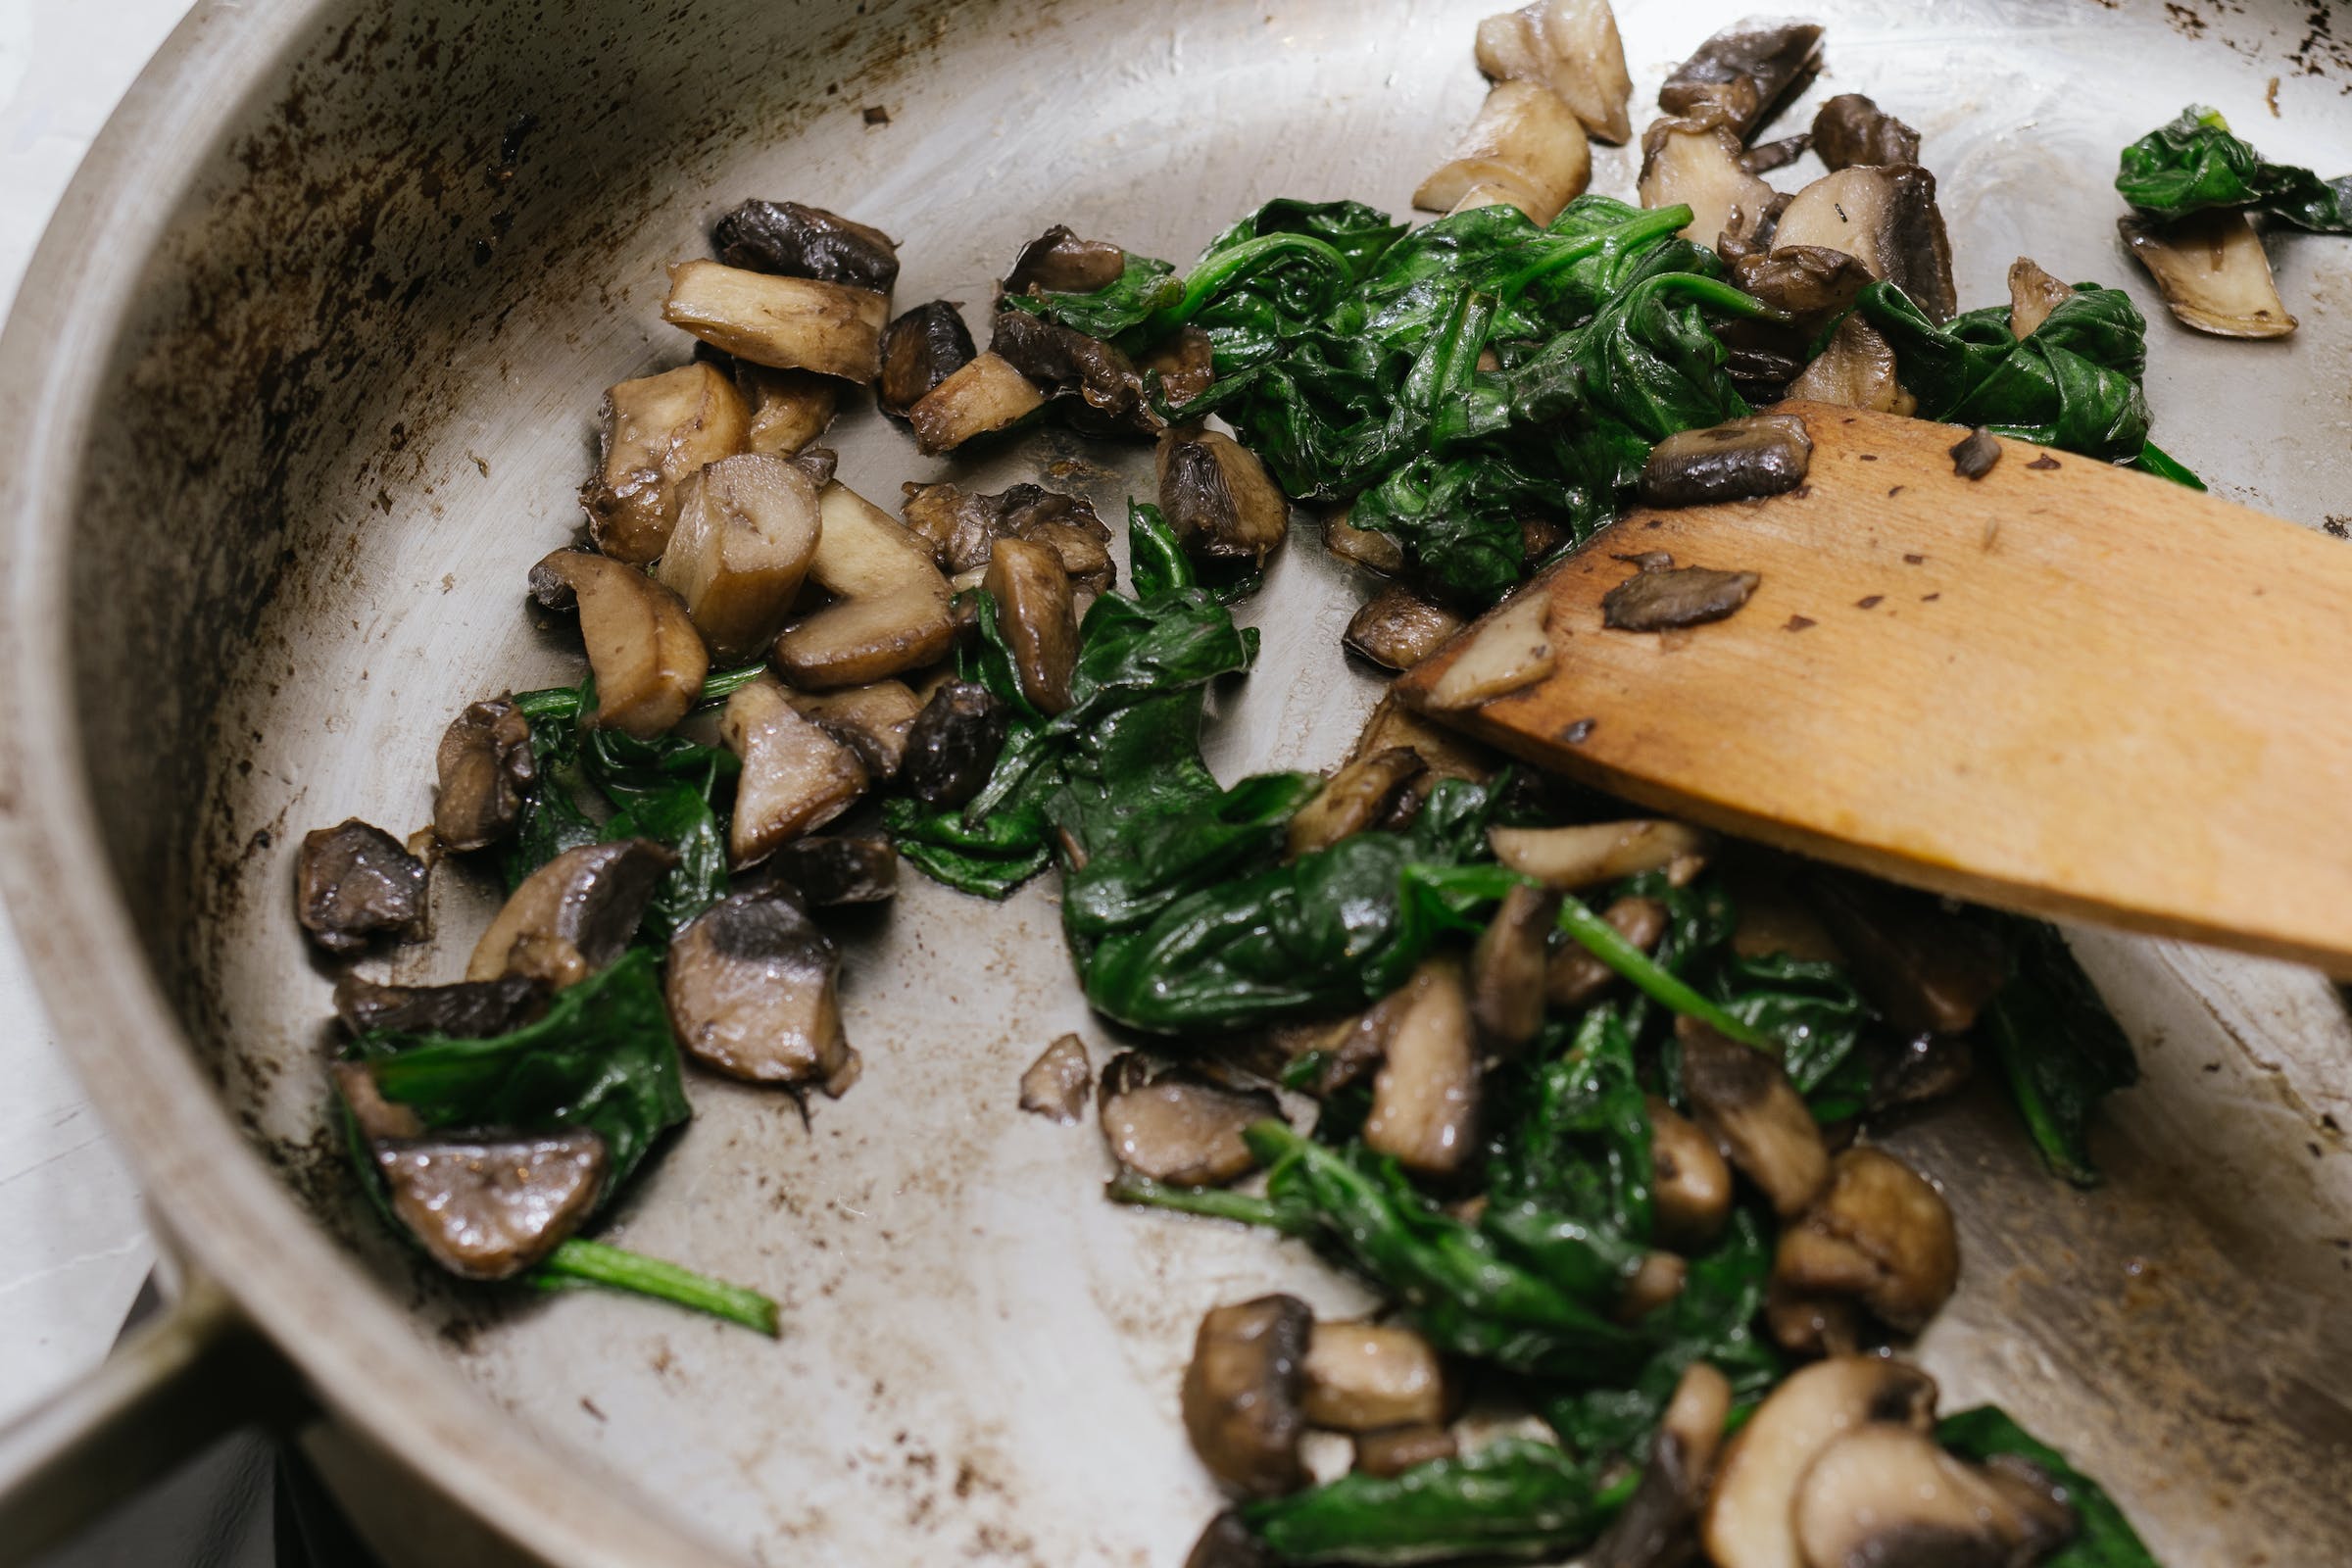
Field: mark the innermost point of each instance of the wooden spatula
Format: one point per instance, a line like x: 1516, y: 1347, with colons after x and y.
x: 2063, y: 687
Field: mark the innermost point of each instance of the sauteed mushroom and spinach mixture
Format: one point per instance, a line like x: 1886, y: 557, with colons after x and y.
x: 1585, y: 1096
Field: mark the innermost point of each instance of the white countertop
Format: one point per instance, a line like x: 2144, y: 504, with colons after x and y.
x: 73, y: 1247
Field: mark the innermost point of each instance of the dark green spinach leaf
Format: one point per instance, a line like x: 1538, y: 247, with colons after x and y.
x: 2193, y: 163
x: 1516, y: 1497
x: 2103, y: 1538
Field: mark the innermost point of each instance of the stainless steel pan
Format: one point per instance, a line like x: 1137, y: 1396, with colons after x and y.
x: 301, y: 382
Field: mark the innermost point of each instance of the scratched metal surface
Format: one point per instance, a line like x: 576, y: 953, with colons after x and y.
x: 313, y: 367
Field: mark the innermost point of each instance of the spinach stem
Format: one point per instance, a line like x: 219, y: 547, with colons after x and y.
x: 1133, y: 1187
x: 563, y: 702
x: 619, y: 1269
x: 1607, y: 944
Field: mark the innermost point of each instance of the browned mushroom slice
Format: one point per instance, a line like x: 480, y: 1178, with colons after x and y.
x: 1065, y: 363
x: 1590, y: 853
x: 1691, y: 1185
x: 470, y: 1009
x: 786, y: 324
x: 871, y: 720
x: 794, y: 776
x: 1358, y: 797
x: 747, y: 531
x: 831, y: 869
x: 354, y: 883
x: 1367, y: 548
x: 1658, y: 1525
x: 1654, y: 1284
x: 1739, y: 460
x: 488, y: 1209
x: 1241, y: 1394
x: 1393, y: 1450
x: 1570, y: 46
x: 985, y: 396
x: 890, y: 610
x: 1363, y: 1377
x: 1805, y: 280
x: 952, y: 744
x: 1886, y: 1494
x: 654, y: 432
x: 1527, y: 140
x: 791, y: 240
x: 2213, y: 273
x: 963, y: 527
x: 485, y: 764
x: 1084, y: 558
x: 1425, y: 1096
x: 1443, y: 753
x: 1973, y: 456
x: 1880, y: 1235
x: 1696, y: 163
x: 1681, y: 595
x: 1185, y: 363
x: 1767, y: 156
x: 1575, y: 979
x: 648, y: 659
x: 1750, y: 1519
x: 1059, y: 262
x: 1397, y: 629
x: 1507, y: 966
x: 1748, y: 1106
x: 573, y: 915
x: 1057, y: 1082
x: 2032, y: 295
x: 1850, y: 129
x: 1036, y: 616
x: 1856, y: 370
x: 919, y: 349
x: 1929, y: 971
x: 1218, y: 497
x: 1747, y: 71
x: 752, y: 994
x: 1510, y: 648
x: 1177, y: 1126
x: 1886, y: 218
x: 789, y: 407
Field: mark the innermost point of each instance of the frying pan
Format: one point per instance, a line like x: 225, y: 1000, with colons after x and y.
x: 301, y: 382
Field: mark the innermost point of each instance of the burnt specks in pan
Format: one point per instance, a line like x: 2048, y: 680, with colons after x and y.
x: 1974, y: 458
x: 1685, y: 596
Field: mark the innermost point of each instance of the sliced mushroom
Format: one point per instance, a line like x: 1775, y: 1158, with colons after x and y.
x: 488, y: 1209
x: 1807, y: 281
x: 1690, y: 1185
x: 963, y: 527
x: 1507, y: 966
x: 1696, y: 163
x: 1973, y: 456
x: 871, y: 720
x: 1444, y: 754
x: 1510, y: 648
x: 1748, y: 1106
x: 470, y: 1009
x: 1929, y: 971
x: 889, y: 611
x: 1059, y: 262
x: 1917, y: 1069
x: 1654, y: 1284
x: 1394, y: 1450
x: 919, y: 349
x: 795, y: 777
x: 1057, y: 1082
x: 1425, y: 1096
x: 1856, y: 370
x: 1241, y: 1394
x: 818, y: 463
x: 1887, y: 1496
x: 1184, y: 360
x: 747, y: 531
x: 1065, y: 363
x: 354, y: 883
x: 1177, y: 1126
x: 1358, y: 797
x: 829, y: 869
x: 1574, y: 978
x: 1656, y: 1528
x: 1886, y: 218
x: 1739, y: 460
x: 648, y: 659
x: 752, y: 993
x: 1219, y: 498
x: 1590, y: 854
x: 1880, y: 1235
x: 952, y: 745
x: 1750, y: 1519
x: 2213, y: 273
x: 1397, y: 629
x: 787, y: 323
x: 1037, y: 618
x: 1367, y: 548
x: 789, y: 407
x: 985, y: 396
x: 1363, y: 1377
x: 1767, y: 156
x: 1526, y: 139
x: 790, y: 240
x: 375, y: 1117
x: 573, y: 915
x: 1570, y: 46
x: 1747, y: 71
x: 2032, y: 295
x: 654, y: 432
x: 485, y: 764
x: 1850, y: 129
x: 1678, y: 597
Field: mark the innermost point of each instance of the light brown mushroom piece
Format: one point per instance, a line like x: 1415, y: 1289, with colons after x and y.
x: 1675, y: 597
x: 1367, y: 548
x: 485, y: 764
x: 1056, y: 1085
x: 1696, y: 163
x: 1397, y: 629
x: 648, y: 659
x: 1038, y: 620
x: 752, y: 991
x: 1755, y: 1115
x: 1590, y: 854
x: 1443, y: 753
x: 1746, y: 71
x: 1507, y: 966
x: 489, y: 1207
x: 1807, y: 281
x: 1219, y: 498
x: 1526, y: 140
x: 573, y: 915
x: 786, y: 324
x: 1393, y: 1450
x: 1241, y: 1394
x: 2213, y: 273
x: 1358, y: 797
x: 794, y: 776
x: 1573, y: 978
x: 790, y: 408
x: 1887, y: 1496
x: 1750, y: 1518
x: 890, y: 612
x: 1184, y: 360
x: 1176, y: 1126
x: 1363, y: 1377
x: 1739, y: 460
x: 871, y: 720
x: 1658, y: 1523
x: 1690, y: 1185
x: 1059, y: 262
x: 1886, y: 218
x: 1654, y: 1284
x: 2032, y: 295
x: 1570, y: 46
x: 1850, y: 129
x: 1856, y: 369
x: 984, y: 397
x: 1425, y: 1096
x: 1511, y: 648
x: 654, y: 432
x: 1880, y: 1235
x: 356, y: 882
x: 747, y: 531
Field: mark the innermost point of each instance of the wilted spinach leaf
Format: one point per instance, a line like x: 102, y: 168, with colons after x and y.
x: 1513, y: 1497
x: 2060, y: 1048
x: 1115, y: 312
x: 2103, y: 1538
x: 2194, y: 162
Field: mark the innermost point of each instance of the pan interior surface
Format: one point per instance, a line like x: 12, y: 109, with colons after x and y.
x: 352, y: 404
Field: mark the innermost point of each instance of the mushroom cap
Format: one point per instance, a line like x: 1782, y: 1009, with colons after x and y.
x: 573, y: 915
x: 1241, y: 1394
x: 1882, y: 1234
x: 1742, y: 1098
x: 752, y: 992
x: 487, y: 1208
x: 1887, y: 1496
x: 485, y: 764
x: 355, y: 881
x: 1750, y: 1513
x: 1176, y: 1126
